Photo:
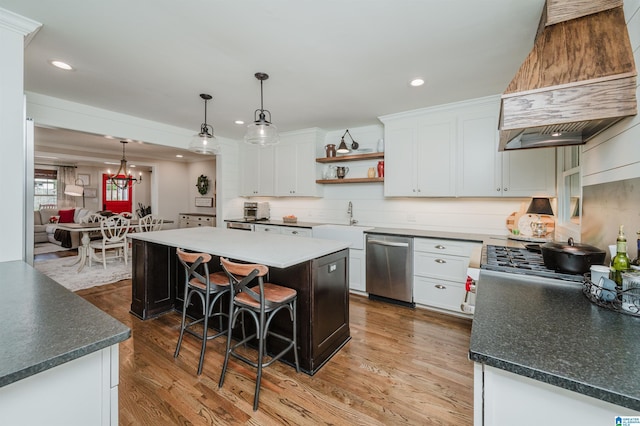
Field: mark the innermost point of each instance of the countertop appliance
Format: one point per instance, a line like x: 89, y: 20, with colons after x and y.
x: 520, y: 260
x: 389, y: 264
x: 256, y: 210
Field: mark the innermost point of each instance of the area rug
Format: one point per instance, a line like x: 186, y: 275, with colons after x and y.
x: 41, y: 248
x: 69, y: 277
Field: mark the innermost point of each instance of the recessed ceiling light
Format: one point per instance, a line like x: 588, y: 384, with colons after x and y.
x: 179, y: 155
x: 62, y: 65
x: 239, y: 122
x: 416, y: 82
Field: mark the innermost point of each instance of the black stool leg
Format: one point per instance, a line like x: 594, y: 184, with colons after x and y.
x: 205, y: 306
x: 187, y: 297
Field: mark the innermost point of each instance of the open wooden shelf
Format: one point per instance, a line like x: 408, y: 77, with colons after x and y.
x: 350, y: 180
x: 356, y: 157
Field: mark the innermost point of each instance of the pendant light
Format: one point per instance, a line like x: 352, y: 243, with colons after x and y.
x: 122, y: 179
x: 261, y: 131
x: 205, y: 142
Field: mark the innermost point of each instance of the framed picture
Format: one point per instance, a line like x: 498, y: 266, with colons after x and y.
x: 86, y: 179
x: 90, y: 192
x: 204, y: 202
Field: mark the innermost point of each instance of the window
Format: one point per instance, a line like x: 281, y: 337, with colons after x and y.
x: 114, y: 193
x: 45, y: 188
x: 569, y: 188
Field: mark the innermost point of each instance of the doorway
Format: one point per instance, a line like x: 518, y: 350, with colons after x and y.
x: 116, y: 197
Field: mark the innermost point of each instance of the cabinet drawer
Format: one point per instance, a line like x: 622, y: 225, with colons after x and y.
x: 432, y: 245
x: 295, y: 232
x: 441, y: 294
x: 443, y: 266
x: 267, y: 228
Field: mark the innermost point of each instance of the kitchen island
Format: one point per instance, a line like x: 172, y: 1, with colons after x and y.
x: 59, y: 353
x: 316, y: 269
x: 546, y: 355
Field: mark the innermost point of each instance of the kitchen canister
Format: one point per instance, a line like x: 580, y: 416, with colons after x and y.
x: 597, y: 273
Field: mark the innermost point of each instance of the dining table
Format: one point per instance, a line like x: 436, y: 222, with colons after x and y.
x: 86, y: 229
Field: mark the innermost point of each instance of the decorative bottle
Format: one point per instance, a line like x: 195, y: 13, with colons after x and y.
x: 380, y: 168
x: 620, y: 262
x: 380, y: 145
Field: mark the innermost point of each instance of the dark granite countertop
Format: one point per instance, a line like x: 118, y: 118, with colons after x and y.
x: 549, y: 331
x: 45, y: 325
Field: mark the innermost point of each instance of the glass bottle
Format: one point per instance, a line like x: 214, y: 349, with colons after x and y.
x: 620, y: 262
x: 636, y: 261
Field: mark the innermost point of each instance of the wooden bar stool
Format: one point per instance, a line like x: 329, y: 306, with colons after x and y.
x: 262, y: 303
x: 209, y: 287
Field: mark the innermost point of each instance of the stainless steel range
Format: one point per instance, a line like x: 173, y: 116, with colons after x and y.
x: 519, y: 260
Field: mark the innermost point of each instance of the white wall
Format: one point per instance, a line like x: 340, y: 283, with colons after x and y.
x: 207, y: 168
x: 13, y: 147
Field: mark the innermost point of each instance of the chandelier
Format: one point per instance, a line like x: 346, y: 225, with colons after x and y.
x: 121, y: 179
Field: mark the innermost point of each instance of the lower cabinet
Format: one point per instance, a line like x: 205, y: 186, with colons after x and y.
x: 500, y: 397
x: 440, y: 272
x: 271, y: 229
x: 193, y: 220
x: 357, y: 270
x: 293, y: 231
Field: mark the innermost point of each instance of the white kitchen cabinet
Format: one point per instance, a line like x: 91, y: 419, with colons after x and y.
x: 485, y: 172
x: 440, y: 272
x: 295, y: 159
x: 452, y: 150
x: 357, y: 270
x: 194, y: 220
x: 257, y: 168
x: 420, y: 156
x: 500, y: 397
x: 271, y: 229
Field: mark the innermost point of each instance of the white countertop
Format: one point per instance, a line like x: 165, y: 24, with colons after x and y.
x: 279, y: 251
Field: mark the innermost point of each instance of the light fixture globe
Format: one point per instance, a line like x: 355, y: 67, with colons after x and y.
x: 261, y: 132
x: 204, y: 142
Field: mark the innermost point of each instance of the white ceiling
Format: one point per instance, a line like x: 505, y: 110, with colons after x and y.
x: 333, y: 64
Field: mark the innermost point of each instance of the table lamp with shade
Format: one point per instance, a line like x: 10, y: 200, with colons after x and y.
x: 539, y: 206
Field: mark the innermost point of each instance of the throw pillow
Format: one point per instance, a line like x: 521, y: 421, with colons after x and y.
x: 66, y: 216
x: 54, y: 219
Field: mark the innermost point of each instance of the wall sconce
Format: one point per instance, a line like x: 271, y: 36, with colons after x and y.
x: 342, y: 148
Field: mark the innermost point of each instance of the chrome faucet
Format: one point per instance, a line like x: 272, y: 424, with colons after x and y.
x: 352, y: 221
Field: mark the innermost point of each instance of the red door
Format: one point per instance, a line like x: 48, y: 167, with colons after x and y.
x: 114, y: 198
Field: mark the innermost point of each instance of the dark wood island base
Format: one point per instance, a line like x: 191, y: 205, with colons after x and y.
x: 323, y: 298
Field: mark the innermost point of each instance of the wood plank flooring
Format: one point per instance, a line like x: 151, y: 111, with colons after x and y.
x: 401, y: 366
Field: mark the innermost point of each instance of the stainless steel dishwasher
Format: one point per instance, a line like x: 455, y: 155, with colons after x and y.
x: 389, y: 260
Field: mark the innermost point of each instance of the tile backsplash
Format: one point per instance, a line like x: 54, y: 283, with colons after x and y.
x: 607, y: 206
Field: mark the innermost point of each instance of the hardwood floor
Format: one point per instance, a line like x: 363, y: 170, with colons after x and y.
x: 401, y: 366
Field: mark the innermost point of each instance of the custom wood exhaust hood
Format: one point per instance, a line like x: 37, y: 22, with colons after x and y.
x: 579, y: 79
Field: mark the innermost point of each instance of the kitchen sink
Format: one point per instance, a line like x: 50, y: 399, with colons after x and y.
x: 353, y: 234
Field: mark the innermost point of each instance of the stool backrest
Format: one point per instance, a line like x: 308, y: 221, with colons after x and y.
x: 191, y: 262
x: 242, y: 274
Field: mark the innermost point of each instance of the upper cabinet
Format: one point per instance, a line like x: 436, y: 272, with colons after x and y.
x: 257, y: 166
x: 452, y: 150
x: 485, y: 172
x: 420, y: 156
x: 295, y: 173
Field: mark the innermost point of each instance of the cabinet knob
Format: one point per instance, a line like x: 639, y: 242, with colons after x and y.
x: 440, y: 287
x: 295, y: 232
x: 440, y: 247
x: 414, y: 190
x: 506, y: 189
x: 498, y: 189
x: 440, y: 261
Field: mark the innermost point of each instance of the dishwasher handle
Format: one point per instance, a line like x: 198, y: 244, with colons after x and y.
x: 387, y: 243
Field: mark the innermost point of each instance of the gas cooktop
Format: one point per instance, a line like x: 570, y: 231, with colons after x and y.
x: 521, y: 261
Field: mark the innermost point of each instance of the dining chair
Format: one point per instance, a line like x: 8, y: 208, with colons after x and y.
x: 114, y: 231
x: 150, y: 223
x: 209, y: 288
x: 262, y: 302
